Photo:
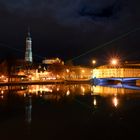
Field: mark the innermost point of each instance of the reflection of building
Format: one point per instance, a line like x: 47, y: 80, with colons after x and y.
x: 55, y: 92
x: 28, y: 109
x: 106, y: 91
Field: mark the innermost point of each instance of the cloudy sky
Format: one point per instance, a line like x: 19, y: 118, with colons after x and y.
x: 69, y: 28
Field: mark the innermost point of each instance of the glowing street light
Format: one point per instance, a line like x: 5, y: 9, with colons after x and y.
x: 83, y: 71
x: 67, y: 70
x: 114, y: 61
x: 94, y: 62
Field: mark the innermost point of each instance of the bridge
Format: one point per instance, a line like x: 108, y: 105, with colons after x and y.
x: 114, y: 80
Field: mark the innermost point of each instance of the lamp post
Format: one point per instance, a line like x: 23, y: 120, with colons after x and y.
x: 114, y: 63
x: 68, y: 74
x: 93, y: 62
x: 83, y: 73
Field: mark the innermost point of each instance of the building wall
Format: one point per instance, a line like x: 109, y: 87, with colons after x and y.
x: 52, y: 61
x: 77, y: 72
x: 116, y: 72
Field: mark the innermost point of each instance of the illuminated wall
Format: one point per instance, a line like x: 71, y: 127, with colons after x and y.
x: 115, y: 72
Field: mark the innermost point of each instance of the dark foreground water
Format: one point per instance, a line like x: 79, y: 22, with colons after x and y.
x: 69, y: 112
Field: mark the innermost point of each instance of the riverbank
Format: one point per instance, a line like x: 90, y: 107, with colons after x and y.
x: 77, y: 81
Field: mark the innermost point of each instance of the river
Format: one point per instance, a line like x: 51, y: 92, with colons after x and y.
x: 69, y: 111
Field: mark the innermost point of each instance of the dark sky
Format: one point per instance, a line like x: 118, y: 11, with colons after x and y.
x: 69, y: 28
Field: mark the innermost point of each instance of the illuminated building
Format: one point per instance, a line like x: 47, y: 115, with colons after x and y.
x: 124, y: 70
x: 28, y: 51
x: 52, y: 61
x: 78, y: 72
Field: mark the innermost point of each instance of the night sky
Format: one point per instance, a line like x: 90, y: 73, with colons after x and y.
x: 69, y: 28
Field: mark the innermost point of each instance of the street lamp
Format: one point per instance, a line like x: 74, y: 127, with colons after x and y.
x: 67, y: 70
x: 94, y: 62
x: 115, y: 64
x: 68, y: 73
x: 114, y: 61
x: 83, y: 71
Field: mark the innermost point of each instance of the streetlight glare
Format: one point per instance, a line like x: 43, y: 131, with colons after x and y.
x: 94, y: 61
x: 114, y: 61
x: 83, y: 71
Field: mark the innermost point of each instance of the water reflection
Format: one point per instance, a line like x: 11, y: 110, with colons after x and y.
x: 70, y: 90
x: 115, y: 101
x: 56, y: 108
x: 106, y: 90
x: 57, y: 92
x: 28, y: 109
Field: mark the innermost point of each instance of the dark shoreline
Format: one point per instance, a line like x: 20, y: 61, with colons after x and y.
x: 45, y: 82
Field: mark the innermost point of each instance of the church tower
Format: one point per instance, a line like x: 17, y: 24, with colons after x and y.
x: 28, y: 51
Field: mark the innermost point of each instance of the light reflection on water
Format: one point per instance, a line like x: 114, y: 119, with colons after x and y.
x: 73, y: 102
x: 66, y: 90
x: 59, y: 91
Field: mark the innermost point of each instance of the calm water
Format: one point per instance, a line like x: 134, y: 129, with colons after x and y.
x: 70, y: 112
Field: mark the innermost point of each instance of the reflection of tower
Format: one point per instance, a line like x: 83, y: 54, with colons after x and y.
x: 28, y: 52
x: 28, y: 109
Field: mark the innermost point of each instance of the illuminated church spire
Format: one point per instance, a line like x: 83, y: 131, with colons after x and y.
x: 28, y: 51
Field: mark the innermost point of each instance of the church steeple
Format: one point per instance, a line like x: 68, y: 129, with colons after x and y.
x: 28, y: 51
